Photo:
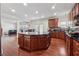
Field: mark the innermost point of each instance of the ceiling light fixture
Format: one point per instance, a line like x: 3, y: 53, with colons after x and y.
x: 25, y: 4
x: 55, y: 14
x: 53, y: 7
x: 13, y: 10
x: 26, y: 15
x: 36, y: 12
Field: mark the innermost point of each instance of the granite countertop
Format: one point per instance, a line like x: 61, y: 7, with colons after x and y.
x: 33, y: 33
x: 75, y: 38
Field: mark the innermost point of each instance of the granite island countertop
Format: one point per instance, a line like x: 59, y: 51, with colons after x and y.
x: 33, y: 33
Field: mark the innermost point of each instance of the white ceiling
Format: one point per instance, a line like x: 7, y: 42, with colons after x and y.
x: 44, y: 9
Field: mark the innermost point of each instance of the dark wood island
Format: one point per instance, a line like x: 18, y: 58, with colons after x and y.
x: 34, y: 42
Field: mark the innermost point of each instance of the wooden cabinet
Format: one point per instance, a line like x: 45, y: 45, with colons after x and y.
x: 74, y: 12
x: 53, y: 23
x: 34, y: 42
x: 44, y: 42
x: 72, y: 46
x: 58, y: 35
x: 54, y: 34
x: 77, y: 9
x: 69, y: 45
x: 26, y: 42
x: 75, y: 48
x: 61, y: 35
x: 21, y: 40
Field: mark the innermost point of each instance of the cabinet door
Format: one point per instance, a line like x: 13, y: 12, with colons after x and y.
x: 75, y: 48
x: 50, y: 23
x: 34, y: 43
x: 27, y: 42
x: 53, y: 23
x: 68, y: 45
x: 52, y: 35
x: 74, y: 13
x: 43, y: 42
x: 21, y: 40
x: 77, y: 8
x: 62, y: 35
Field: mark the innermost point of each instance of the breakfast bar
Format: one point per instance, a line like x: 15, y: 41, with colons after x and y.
x: 34, y: 42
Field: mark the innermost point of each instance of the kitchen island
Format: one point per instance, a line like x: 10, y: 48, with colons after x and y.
x: 34, y: 42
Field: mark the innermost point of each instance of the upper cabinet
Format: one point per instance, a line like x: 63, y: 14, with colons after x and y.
x: 53, y: 23
x: 74, y: 12
x: 77, y: 8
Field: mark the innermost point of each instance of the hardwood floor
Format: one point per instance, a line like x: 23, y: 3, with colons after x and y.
x: 10, y: 48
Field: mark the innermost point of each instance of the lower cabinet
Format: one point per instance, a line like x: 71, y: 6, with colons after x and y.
x: 69, y: 45
x: 34, y: 42
x: 21, y: 40
x: 61, y: 35
x: 75, y: 48
x: 72, y: 46
x: 58, y: 35
x: 44, y: 42
x: 26, y: 42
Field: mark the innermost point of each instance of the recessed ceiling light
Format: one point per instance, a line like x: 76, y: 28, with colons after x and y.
x: 53, y: 7
x: 25, y: 4
x: 26, y: 15
x: 54, y: 13
x: 13, y: 10
x: 36, y: 12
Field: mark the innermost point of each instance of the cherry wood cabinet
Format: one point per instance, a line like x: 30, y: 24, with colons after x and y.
x: 54, y: 34
x: 34, y: 42
x: 74, y: 12
x: 26, y: 42
x: 77, y: 9
x: 58, y: 34
x: 69, y: 45
x: 61, y: 35
x: 72, y: 46
x: 75, y: 48
x: 21, y: 40
x: 53, y: 23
